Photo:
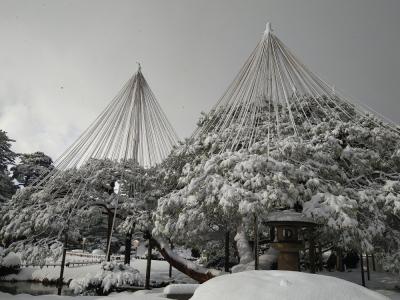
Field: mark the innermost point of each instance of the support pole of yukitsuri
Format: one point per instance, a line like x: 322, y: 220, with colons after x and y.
x: 255, y: 242
x: 362, y: 269
x: 227, y: 254
x: 373, y: 262
x: 368, y: 273
x: 170, y: 266
x: 109, y: 229
x: 111, y: 223
x: 148, y: 266
x: 61, y: 278
x: 312, y: 252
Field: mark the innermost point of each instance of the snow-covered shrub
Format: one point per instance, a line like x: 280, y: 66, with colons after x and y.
x: 11, y: 260
x: 391, y: 262
x: 111, y: 276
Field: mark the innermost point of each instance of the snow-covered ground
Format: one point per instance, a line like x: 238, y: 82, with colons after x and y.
x: 250, y: 285
x: 140, y: 295
x: 383, y: 282
x: 159, y: 272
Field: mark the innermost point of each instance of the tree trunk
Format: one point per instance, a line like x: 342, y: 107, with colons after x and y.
x: 189, y: 268
x: 255, y: 242
x: 170, y: 266
x: 235, y: 252
x: 320, y: 261
x: 128, y: 247
x: 339, y: 260
x: 110, y: 217
x: 362, y: 269
x: 311, y: 252
x: 373, y: 262
x: 148, y: 266
x: 227, y: 251
x: 368, y: 275
x: 244, y: 249
x: 61, y: 278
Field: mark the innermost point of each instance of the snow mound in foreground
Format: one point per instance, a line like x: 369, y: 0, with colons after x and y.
x: 282, y: 285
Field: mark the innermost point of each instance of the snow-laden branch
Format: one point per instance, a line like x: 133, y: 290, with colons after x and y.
x: 189, y: 268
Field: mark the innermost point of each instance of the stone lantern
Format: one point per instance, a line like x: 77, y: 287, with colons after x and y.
x: 287, y: 225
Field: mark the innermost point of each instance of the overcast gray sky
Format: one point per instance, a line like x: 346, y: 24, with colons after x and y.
x: 61, y: 62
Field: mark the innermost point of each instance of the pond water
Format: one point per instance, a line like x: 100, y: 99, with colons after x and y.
x: 32, y: 288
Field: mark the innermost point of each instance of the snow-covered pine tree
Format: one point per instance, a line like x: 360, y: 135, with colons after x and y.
x: 7, y: 157
x: 281, y: 137
x: 345, y: 174
x: 31, y: 167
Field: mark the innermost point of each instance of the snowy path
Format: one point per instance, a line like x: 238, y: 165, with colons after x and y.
x: 382, y: 282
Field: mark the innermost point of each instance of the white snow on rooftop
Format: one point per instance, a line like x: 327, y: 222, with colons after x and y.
x: 289, y: 216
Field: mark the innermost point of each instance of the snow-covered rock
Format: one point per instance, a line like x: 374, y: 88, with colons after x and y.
x: 180, y: 289
x: 98, y: 252
x: 282, y: 285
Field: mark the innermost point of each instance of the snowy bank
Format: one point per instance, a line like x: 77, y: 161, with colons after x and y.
x: 283, y: 285
x: 142, y: 295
